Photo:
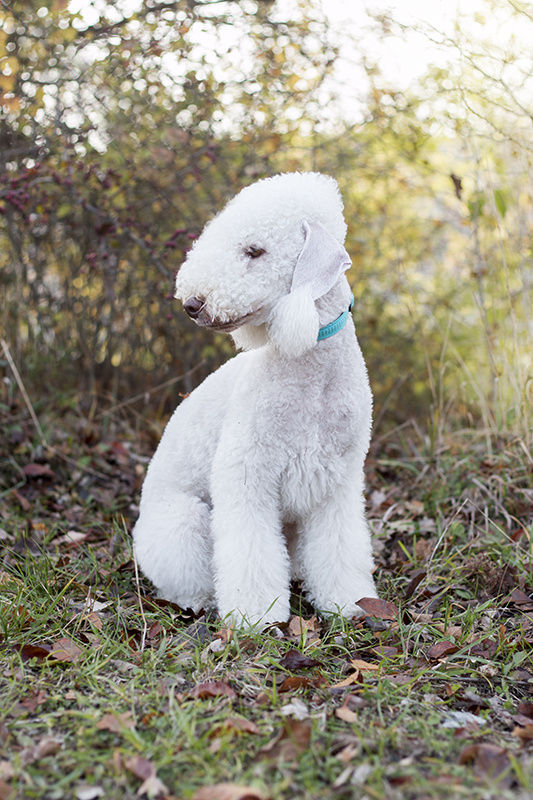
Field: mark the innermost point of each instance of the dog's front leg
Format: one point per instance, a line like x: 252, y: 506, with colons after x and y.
x: 335, y: 552
x: 251, y: 563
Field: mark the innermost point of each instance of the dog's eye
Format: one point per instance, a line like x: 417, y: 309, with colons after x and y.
x: 254, y: 252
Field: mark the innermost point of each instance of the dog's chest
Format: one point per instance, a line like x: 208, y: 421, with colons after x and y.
x: 308, y: 480
x: 309, y: 432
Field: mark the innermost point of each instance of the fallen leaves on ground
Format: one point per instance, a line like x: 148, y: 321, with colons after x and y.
x: 46, y: 746
x: 6, y: 791
x: 524, y: 732
x: 293, y: 739
x: 33, y: 700
x: 6, y: 770
x: 151, y: 785
x: 360, y: 667
x: 236, y: 725
x: 213, y: 689
x: 293, y: 660
x: 65, y: 650
x: 307, y: 630
x: 28, y: 651
x: 38, y: 471
x: 442, y: 649
x: 228, y: 791
x: 346, y: 714
x: 72, y: 538
x: 490, y: 761
x: 374, y: 607
x: 116, y: 723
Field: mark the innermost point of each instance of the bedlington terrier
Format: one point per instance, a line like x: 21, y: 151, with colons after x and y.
x: 259, y: 474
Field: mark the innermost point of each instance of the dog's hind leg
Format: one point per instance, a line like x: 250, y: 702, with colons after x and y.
x: 173, y: 548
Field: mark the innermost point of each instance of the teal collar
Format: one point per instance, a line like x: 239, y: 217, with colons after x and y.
x: 337, y: 324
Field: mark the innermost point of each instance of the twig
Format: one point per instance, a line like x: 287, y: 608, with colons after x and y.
x: 138, y: 587
x: 48, y: 447
x: 445, y: 530
x: 23, y: 391
x: 10, y: 10
x: 155, y: 389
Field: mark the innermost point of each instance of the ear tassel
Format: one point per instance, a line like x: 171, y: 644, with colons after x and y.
x: 293, y: 326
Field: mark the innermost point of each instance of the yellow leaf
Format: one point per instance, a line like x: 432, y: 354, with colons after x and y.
x: 347, y: 681
x: 7, y: 82
x: 346, y: 714
x: 12, y: 103
x: 363, y: 666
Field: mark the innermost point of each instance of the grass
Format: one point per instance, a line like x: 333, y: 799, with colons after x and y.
x: 106, y: 691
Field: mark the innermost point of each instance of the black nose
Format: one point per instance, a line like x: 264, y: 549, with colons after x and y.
x: 193, y: 306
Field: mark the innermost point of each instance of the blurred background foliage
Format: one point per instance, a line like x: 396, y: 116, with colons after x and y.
x: 125, y: 125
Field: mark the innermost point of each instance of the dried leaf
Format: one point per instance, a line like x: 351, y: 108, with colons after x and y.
x: 237, y: 724
x: 298, y: 626
x: 354, y: 677
x: 145, y: 770
x: 441, y: 649
x: 140, y: 767
x: 294, y: 682
x: 46, y: 746
x: 348, y: 753
x: 71, y: 538
x: 155, y: 630
x: 152, y: 787
x: 449, y: 630
x: 374, y: 607
x: 462, y: 720
x: 65, y: 650
x: 521, y: 599
x: 213, y: 689
x: 363, y: 666
x: 526, y: 708
x: 294, y: 661
x: 7, y: 792
x: 95, y: 619
x: 21, y: 500
x: 28, y: 651
x: 385, y: 651
x: 525, y: 733
x: 415, y: 507
x: 485, y: 649
x: 341, y: 779
x: 489, y: 760
x: 424, y: 547
x: 296, y: 708
x: 228, y: 791
x: 416, y: 579
x: 377, y: 498
x: 33, y: 700
x: 291, y: 742
x: 38, y: 471
x: 225, y: 634
x: 346, y: 714
x: 116, y: 723
x: 89, y: 792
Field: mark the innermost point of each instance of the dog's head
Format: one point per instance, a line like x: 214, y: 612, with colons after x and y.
x: 261, y: 263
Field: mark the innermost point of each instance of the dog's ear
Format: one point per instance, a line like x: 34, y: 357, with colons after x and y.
x: 294, y: 324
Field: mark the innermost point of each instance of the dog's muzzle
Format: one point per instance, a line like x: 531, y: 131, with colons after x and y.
x: 195, y: 308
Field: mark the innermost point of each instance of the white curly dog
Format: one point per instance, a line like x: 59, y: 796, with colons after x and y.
x: 259, y: 475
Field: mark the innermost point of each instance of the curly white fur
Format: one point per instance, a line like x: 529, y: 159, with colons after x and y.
x: 259, y: 473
